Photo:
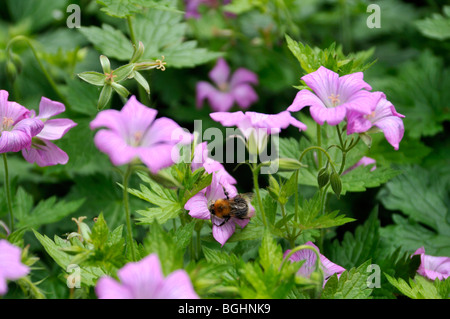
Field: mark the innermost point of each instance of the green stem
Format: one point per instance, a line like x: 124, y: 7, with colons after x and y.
x: 126, y: 206
x: 255, y: 172
x: 8, y: 194
x: 320, y: 149
x: 319, y: 144
x: 130, y: 27
x: 41, y: 65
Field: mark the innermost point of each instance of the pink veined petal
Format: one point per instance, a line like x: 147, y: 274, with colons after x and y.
x: 357, y: 123
x: 159, y: 156
x: 241, y: 222
x: 393, y: 129
x: 115, y: 147
x: 177, y: 285
x: 144, y: 278
x: 301, y: 126
x: 32, y: 126
x: 350, y: 84
x: 45, y: 155
x: 330, y: 268
x: 112, y: 120
x: 108, y: 288
x: 49, y: 108
x: 220, y: 73
x: 197, y: 206
x: 242, y: 75
x: 216, y: 191
x: 224, y: 232
x: 363, y: 101
x: 305, y: 98
x: 14, y: 141
x: 310, y: 261
x: 244, y: 95
x: 54, y: 129
x: 137, y: 117
x: 332, y: 116
x: 3, y: 285
x: 324, y: 83
x: 221, y: 173
x: 16, y: 112
x: 228, y: 118
x: 165, y: 130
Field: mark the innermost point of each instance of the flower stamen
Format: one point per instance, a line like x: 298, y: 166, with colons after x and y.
x: 7, y: 123
x: 334, y: 99
x: 161, y: 64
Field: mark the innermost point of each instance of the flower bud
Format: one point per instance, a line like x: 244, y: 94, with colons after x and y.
x: 11, y: 70
x: 336, y: 183
x: 274, y: 188
x: 323, y: 177
x: 106, y: 65
x: 138, y: 52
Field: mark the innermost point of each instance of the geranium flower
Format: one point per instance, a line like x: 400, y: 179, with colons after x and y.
x: 382, y: 117
x: 16, y: 130
x: 42, y: 151
x: 11, y: 267
x: 257, y: 126
x: 198, y: 207
x: 363, y: 161
x: 133, y: 133
x: 333, y: 96
x: 229, y: 90
x: 201, y: 159
x: 144, y: 280
x: 329, y: 268
x: 433, y: 267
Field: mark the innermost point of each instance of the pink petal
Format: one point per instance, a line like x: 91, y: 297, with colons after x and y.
x: 177, y: 285
x: 305, y: 98
x: 108, y: 288
x: 56, y: 128
x: 11, y: 267
x: 115, y: 147
x: 350, y: 84
x: 324, y: 83
x: 357, y: 123
x: 197, y: 206
x: 14, y: 141
x: 165, y: 130
x: 158, y: 156
x: 393, y: 130
x: 227, y: 118
x: 49, y: 108
x: 241, y: 76
x: 224, y: 232
x: 136, y: 116
x: 220, y: 73
x: 244, y: 95
x: 332, y: 116
x: 45, y: 155
x: 110, y: 119
x: 363, y: 101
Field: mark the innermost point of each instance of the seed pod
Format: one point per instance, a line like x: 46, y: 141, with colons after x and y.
x: 336, y: 184
x: 323, y: 177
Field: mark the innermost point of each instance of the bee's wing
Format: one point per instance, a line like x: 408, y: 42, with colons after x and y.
x: 248, y: 196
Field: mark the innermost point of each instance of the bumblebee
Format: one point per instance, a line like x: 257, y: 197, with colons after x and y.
x: 237, y: 207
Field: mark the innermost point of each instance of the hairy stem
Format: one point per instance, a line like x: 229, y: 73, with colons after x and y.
x: 255, y: 172
x: 126, y: 206
x: 8, y: 194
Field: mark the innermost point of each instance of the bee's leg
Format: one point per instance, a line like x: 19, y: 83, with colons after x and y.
x: 225, y: 219
x: 226, y: 193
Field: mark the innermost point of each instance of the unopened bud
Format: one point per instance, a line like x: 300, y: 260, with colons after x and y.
x: 336, y: 183
x: 323, y: 177
x: 138, y: 52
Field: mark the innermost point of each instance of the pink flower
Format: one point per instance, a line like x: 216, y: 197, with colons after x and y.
x: 382, y: 117
x: 309, y: 265
x: 334, y: 96
x: 201, y: 159
x: 433, y: 267
x: 11, y: 267
x: 257, y: 126
x: 144, y: 280
x: 134, y: 133
x: 363, y: 161
x: 229, y: 90
x: 42, y: 151
x: 16, y: 130
x: 198, y: 207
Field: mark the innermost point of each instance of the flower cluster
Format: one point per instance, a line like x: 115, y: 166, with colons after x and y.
x: 348, y: 97
x: 22, y: 130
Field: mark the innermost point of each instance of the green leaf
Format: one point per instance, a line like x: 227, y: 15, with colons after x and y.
x: 352, y: 284
x: 45, y: 212
x: 417, y: 288
x: 437, y: 26
x: 165, y: 201
x: 270, y: 254
x: 356, y: 248
x: 124, y: 8
x: 109, y: 41
x: 421, y: 195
